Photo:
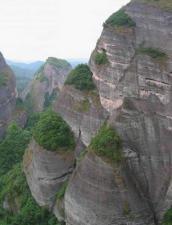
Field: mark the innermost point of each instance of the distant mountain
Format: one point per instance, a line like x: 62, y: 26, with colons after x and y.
x: 29, y: 66
x: 24, y: 72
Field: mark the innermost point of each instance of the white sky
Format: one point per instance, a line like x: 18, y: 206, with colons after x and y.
x: 36, y: 29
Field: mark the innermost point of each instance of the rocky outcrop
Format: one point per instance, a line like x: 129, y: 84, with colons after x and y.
x: 46, y: 172
x: 135, y: 87
x: 47, y: 83
x: 82, y: 110
x: 98, y: 193
x: 7, y: 95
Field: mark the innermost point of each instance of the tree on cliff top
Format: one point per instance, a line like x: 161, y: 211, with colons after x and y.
x: 81, y: 78
x: 53, y: 133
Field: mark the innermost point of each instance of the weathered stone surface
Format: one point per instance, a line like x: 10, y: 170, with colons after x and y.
x: 101, y: 193
x: 7, y: 96
x: 137, y: 91
x: 82, y: 111
x: 50, y: 78
x: 46, y: 172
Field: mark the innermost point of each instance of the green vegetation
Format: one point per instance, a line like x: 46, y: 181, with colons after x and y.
x: 101, y: 58
x: 82, y: 106
x: 13, y: 188
x: 59, y: 63
x: 33, y: 118
x: 153, y: 53
x: 61, y: 192
x: 119, y: 19
x: 41, y: 77
x: 107, y: 144
x: 49, y: 98
x: 81, y: 78
x: 167, y: 220
x: 19, y: 104
x: 28, y: 104
x: 12, y: 147
x: 53, y: 133
x: 3, y: 79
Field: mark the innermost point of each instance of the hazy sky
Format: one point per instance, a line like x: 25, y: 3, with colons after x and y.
x: 36, y: 29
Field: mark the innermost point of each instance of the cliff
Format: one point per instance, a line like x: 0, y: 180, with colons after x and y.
x: 7, y: 95
x: 47, y: 83
x: 131, y: 67
x: 82, y: 110
x: 128, y: 91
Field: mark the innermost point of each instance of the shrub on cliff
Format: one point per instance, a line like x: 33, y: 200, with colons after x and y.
x: 101, y: 58
x: 107, y: 144
x: 12, y: 147
x: 81, y: 78
x: 120, y: 18
x: 153, y: 53
x: 53, y: 133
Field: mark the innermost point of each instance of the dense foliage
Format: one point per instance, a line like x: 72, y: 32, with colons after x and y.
x: 59, y: 63
x: 81, y: 78
x: 13, y: 188
x: 120, y: 18
x: 167, y: 220
x: 12, y: 147
x: 53, y: 133
x: 101, y: 58
x: 153, y: 53
x: 3, y: 79
x: 33, y: 118
x: 107, y: 144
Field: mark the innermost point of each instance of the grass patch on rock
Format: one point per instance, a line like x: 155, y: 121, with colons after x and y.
x: 153, y: 53
x: 107, y: 143
x: 61, y: 192
x: 81, y: 78
x: 120, y: 18
x: 82, y: 106
x: 101, y: 58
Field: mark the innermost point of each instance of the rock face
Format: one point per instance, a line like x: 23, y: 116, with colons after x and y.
x: 98, y: 193
x: 7, y: 95
x: 82, y: 111
x: 135, y: 88
x: 46, y: 172
x: 48, y: 81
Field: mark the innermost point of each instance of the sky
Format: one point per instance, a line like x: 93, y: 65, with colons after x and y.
x: 36, y: 29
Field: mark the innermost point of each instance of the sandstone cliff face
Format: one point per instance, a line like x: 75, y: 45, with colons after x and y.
x: 136, y: 90
x: 50, y: 78
x: 7, y: 95
x: 82, y: 111
x: 98, y: 193
x: 46, y: 172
